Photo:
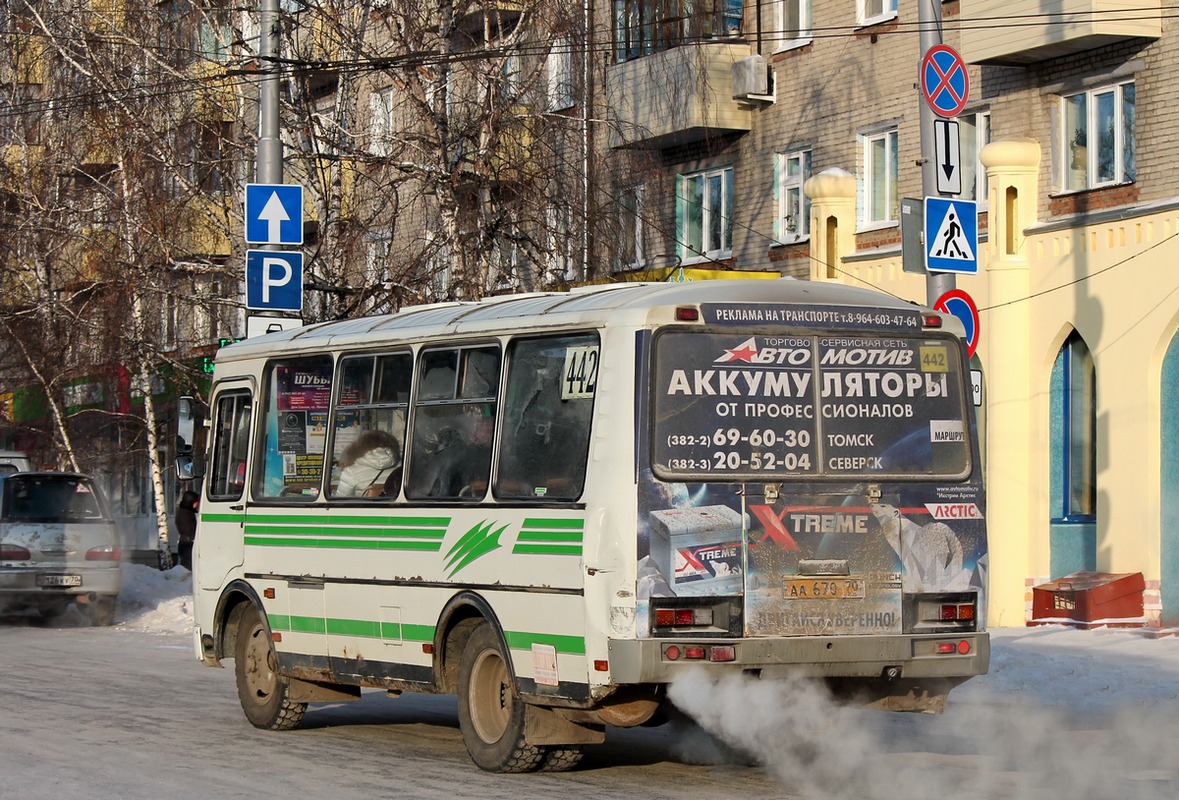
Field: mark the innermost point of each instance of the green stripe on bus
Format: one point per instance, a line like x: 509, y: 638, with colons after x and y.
x: 518, y: 640
x: 549, y: 536
x: 320, y: 517
x: 546, y: 550
x: 350, y: 544
x: 554, y: 523
x: 307, y: 625
x: 339, y: 530
x: 238, y: 517
x: 371, y: 629
x: 355, y: 627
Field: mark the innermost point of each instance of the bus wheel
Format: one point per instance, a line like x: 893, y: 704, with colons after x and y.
x: 561, y: 758
x: 262, y: 691
x: 491, y: 713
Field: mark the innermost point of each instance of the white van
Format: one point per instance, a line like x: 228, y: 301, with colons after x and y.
x: 12, y: 461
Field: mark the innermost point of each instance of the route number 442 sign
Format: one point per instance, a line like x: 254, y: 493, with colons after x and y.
x: 580, y: 375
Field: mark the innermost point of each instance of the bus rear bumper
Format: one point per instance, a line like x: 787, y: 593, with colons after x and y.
x: 953, y: 657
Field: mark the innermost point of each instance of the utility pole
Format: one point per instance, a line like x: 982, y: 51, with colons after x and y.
x: 268, y: 164
x: 929, y: 20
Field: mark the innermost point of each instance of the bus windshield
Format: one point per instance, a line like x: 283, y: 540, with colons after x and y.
x: 736, y: 405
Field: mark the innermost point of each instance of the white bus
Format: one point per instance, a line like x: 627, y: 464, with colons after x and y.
x: 565, y: 500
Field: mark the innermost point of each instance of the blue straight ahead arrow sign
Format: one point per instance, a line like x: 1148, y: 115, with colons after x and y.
x: 274, y: 214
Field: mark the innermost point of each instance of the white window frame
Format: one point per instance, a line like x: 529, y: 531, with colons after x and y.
x: 803, y: 34
x: 559, y: 94
x: 709, y: 216
x: 794, y: 207
x: 1079, y: 164
x: 632, y: 207
x: 869, y: 218
x: 381, y: 143
x: 872, y: 12
x: 376, y: 256
x: 976, y: 134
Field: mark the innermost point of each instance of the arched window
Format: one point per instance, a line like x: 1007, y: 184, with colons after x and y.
x: 1074, y: 459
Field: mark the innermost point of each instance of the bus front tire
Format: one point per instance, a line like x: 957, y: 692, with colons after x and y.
x: 264, y: 694
x: 491, y: 713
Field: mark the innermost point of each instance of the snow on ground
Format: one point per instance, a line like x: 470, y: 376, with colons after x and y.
x: 1049, y: 665
x: 151, y: 600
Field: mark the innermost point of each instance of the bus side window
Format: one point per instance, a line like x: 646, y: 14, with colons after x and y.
x: 294, y: 429
x: 368, y: 440
x: 547, y: 412
x: 454, y: 424
x: 231, y: 441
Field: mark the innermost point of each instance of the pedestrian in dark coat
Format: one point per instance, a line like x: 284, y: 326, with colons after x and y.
x: 186, y: 526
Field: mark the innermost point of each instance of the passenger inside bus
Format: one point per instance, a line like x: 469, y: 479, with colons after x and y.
x: 368, y: 463
x: 457, y: 456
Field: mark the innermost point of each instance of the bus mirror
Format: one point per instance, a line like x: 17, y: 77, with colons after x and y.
x: 185, y: 425
x: 187, y: 468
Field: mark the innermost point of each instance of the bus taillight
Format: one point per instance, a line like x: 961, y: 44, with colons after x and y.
x: 682, y: 617
x: 696, y: 616
x: 957, y: 612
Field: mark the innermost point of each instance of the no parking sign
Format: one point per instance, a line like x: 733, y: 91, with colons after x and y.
x: 961, y: 305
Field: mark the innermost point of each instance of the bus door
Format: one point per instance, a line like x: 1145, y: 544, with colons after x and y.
x: 220, y: 538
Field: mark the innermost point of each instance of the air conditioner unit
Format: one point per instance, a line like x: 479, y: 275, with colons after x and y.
x: 751, y: 80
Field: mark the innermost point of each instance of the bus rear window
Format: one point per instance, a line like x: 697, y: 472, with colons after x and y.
x: 736, y: 406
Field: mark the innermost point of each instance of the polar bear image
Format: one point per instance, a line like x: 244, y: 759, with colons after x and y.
x: 931, y: 555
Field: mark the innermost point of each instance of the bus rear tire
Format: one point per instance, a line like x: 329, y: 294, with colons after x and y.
x: 264, y: 694
x: 491, y: 713
x: 561, y: 758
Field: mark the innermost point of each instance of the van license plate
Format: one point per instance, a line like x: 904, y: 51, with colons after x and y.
x: 59, y: 580
x: 823, y: 588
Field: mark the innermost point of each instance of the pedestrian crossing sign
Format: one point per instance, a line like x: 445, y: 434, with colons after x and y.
x: 951, y: 235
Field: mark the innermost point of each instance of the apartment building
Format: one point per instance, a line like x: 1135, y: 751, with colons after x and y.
x: 789, y: 130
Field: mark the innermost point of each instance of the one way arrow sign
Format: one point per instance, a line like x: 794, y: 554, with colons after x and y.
x: 949, y: 156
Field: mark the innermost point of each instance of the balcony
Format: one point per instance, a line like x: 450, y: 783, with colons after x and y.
x: 676, y: 96
x: 1021, y: 32
x: 485, y: 22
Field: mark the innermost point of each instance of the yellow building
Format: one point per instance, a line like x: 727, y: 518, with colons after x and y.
x: 1066, y: 144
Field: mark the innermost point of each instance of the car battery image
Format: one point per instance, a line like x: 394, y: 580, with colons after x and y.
x: 699, y: 550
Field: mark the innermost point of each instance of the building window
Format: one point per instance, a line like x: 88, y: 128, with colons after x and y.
x: 975, y: 134
x: 794, y: 207
x: 793, y: 23
x: 559, y: 87
x: 642, y: 27
x: 704, y: 202
x: 632, y: 204
x: 190, y: 31
x: 879, y: 204
x: 1074, y: 432
x: 1098, y: 137
x: 870, y: 12
x: 382, y: 128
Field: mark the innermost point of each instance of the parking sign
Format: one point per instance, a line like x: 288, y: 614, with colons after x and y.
x: 274, y: 280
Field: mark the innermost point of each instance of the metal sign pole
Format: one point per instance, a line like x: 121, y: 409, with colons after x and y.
x: 268, y: 163
x: 929, y: 19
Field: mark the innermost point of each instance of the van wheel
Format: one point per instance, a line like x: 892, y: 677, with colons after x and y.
x: 264, y: 694
x: 100, y: 612
x: 491, y: 713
